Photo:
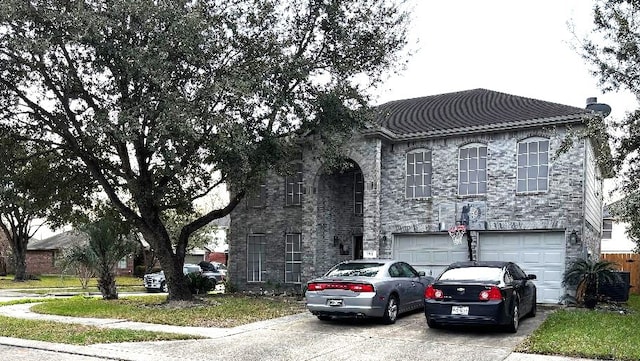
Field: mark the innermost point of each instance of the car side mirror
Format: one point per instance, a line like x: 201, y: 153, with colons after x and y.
x: 421, y: 273
x: 531, y: 277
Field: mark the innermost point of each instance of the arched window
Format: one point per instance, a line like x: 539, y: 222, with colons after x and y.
x: 418, y: 174
x: 472, y: 170
x: 533, y: 165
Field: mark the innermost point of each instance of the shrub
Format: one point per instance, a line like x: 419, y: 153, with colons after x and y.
x: 200, y: 284
x: 139, y: 271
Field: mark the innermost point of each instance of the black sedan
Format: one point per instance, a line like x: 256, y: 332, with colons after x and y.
x: 484, y: 293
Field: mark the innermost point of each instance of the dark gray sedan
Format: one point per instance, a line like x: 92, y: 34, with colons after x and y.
x: 367, y: 288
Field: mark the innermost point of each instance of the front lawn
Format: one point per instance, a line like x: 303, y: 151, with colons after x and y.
x: 46, y: 284
x: 597, y: 334
x: 78, y: 334
x: 218, y: 310
x: 61, y: 281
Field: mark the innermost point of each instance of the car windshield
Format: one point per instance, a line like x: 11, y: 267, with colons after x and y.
x: 355, y: 269
x: 485, y: 274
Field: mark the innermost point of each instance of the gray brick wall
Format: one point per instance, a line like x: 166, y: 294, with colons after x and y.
x: 327, y: 212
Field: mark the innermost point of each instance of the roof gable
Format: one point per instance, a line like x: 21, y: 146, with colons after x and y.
x: 56, y: 242
x: 468, y: 110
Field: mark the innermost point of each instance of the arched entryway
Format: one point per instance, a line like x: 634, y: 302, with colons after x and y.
x: 340, y: 209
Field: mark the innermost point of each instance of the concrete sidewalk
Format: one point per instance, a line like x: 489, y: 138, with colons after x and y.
x: 277, y: 339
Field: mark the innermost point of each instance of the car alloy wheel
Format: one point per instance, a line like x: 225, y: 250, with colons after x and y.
x: 391, y: 312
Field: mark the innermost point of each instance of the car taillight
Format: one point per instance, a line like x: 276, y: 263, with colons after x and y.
x: 492, y: 294
x: 432, y: 293
x: 354, y: 287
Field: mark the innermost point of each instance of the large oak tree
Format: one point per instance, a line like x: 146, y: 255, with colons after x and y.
x: 163, y: 101
x: 613, y: 49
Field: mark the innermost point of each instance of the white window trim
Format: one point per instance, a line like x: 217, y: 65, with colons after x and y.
x: 355, y: 199
x: 297, y: 188
x: 416, y: 151
x: 531, y: 140
x: 261, y: 267
x: 486, y: 170
x: 286, y: 262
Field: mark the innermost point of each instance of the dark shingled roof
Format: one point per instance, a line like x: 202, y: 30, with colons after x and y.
x: 477, y: 109
x: 57, y: 242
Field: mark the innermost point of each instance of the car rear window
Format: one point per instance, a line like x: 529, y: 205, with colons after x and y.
x: 355, y: 269
x: 485, y: 274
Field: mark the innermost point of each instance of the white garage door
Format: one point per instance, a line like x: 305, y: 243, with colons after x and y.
x: 539, y: 253
x: 429, y: 253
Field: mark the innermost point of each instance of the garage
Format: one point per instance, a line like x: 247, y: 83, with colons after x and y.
x: 539, y: 253
x: 428, y: 252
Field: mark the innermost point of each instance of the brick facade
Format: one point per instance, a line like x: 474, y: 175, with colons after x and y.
x: 326, y: 215
x: 42, y: 262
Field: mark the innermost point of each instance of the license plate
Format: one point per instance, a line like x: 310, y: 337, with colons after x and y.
x: 459, y: 310
x: 335, y: 303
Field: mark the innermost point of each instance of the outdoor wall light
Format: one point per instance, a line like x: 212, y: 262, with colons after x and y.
x: 336, y: 241
x: 574, y: 238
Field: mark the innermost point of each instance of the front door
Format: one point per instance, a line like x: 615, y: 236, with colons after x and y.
x: 357, y: 247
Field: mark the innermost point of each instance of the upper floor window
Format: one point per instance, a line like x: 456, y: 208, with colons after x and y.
x: 472, y: 170
x: 418, y: 180
x: 258, y: 198
x: 293, y: 185
x: 607, y: 228
x: 358, y: 193
x: 533, y: 165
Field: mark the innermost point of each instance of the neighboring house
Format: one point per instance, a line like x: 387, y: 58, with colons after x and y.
x: 6, y: 261
x: 614, y: 235
x: 478, y: 156
x: 43, y: 255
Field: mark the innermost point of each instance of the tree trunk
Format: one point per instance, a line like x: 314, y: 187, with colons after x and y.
x: 107, y: 286
x: 171, y: 264
x: 19, y: 247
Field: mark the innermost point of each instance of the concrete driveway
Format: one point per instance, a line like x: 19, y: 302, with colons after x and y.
x: 303, y: 337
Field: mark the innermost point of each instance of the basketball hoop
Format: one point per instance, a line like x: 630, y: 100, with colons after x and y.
x: 456, y: 233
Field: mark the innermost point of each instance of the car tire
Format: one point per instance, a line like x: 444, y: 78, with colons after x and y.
x: 324, y: 318
x: 163, y: 287
x: 515, y: 317
x: 432, y: 324
x: 391, y: 311
x: 534, y: 309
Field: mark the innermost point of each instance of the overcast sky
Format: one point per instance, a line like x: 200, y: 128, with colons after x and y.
x: 517, y: 47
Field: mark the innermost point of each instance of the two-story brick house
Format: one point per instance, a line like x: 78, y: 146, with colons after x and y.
x: 479, y: 156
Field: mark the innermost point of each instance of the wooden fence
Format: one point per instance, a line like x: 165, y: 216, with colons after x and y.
x: 628, y: 262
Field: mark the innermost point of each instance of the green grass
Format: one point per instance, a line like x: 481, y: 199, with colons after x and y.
x: 77, y: 334
x: 63, y: 281
x: 223, y: 310
x: 597, y: 334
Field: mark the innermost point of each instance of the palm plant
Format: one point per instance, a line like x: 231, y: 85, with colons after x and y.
x: 587, y: 275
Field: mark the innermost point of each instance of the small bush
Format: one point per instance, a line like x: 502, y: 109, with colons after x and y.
x: 139, y: 271
x: 229, y: 287
x: 200, y: 284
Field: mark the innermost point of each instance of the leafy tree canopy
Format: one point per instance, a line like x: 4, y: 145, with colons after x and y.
x: 613, y: 48
x: 163, y: 101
